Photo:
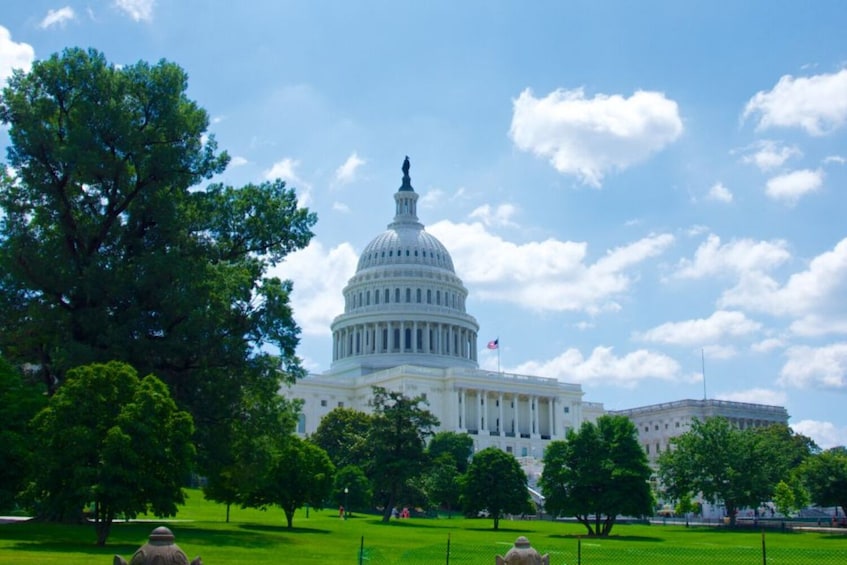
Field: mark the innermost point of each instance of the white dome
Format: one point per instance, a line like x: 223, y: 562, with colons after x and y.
x: 405, y: 305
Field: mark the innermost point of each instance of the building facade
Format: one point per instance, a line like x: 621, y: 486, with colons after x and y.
x: 405, y: 328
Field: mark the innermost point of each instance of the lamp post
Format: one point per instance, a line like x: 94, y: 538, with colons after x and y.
x: 346, y: 510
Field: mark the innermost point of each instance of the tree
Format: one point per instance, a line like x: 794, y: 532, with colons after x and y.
x: 442, y: 482
x: 352, y: 489
x: 825, y: 476
x: 495, y: 483
x: 721, y: 462
x: 112, y: 441
x: 598, y: 473
x: 458, y: 446
x: 343, y: 434
x: 397, y: 439
x: 110, y: 249
x: 22, y: 399
x: 299, y: 473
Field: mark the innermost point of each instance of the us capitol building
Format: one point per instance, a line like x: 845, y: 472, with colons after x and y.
x: 405, y: 328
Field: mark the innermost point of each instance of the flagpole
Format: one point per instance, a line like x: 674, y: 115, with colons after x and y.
x: 498, y: 356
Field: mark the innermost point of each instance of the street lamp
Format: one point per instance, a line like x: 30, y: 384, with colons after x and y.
x: 346, y: 510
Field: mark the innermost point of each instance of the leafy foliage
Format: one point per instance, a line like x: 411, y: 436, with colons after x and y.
x: 600, y: 472
x: 495, y: 483
x: 343, y: 434
x: 458, y: 446
x: 109, y: 249
x: 358, y: 495
x: 825, y: 477
x: 22, y: 399
x: 298, y: 473
x: 397, y: 439
x: 113, y: 441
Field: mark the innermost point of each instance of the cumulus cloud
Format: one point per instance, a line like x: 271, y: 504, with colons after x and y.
x: 756, y: 396
x: 238, y: 161
x: 816, y: 367
x: 13, y: 55
x: 319, y: 275
x: 57, y: 17
x: 590, y: 137
x: 347, y: 172
x: 286, y: 170
x: 813, y: 296
x: 604, y: 367
x: 720, y: 193
x: 825, y: 434
x: 138, y: 10
x: 548, y: 275
x: 767, y: 345
x: 768, y: 155
x: 501, y: 216
x: 734, y: 258
x: 817, y: 104
x: 791, y: 186
x: 702, y: 331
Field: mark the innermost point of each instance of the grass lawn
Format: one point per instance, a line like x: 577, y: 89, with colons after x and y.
x: 256, y: 537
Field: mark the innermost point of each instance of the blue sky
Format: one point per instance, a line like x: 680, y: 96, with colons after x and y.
x: 626, y: 188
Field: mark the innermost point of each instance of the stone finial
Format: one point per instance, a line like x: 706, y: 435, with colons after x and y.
x: 523, y: 554
x: 159, y: 550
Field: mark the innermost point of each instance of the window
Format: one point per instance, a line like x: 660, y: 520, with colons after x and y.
x: 567, y: 409
x: 340, y: 404
x: 408, y: 295
x: 301, y: 424
x: 323, y: 403
x: 523, y: 452
x: 419, y: 296
x: 508, y: 449
x: 429, y: 296
x: 647, y: 448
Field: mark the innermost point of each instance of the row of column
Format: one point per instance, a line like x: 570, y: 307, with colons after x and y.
x: 521, y: 419
x: 404, y: 337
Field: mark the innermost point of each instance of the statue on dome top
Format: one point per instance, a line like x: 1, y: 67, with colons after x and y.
x: 406, y: 167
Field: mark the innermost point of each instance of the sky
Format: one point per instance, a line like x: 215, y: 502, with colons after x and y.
x: 637, y: 195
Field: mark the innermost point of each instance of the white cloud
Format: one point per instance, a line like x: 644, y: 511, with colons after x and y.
x: 770, y: 155
x: 737, y: 257
x: 720, y: 193
x: 590, y: 137
x: 13, y: 55
x: 815, y: 367
x: 825, y: 434
x: 138, y: 10
x: 341, y: 207
x: 347, y: 172
x: 818, y: 104
x: 544, y: 275
x: 815, y: 296
x: 319, y: 276
x: 501, y: 216
x: 702, y: 331
x: 791, y: 186
x: 604, y: 367
x: 238, y: 161
x: 57, y: 17
x: 756, y: 396
x: 767, y: 345
x: 838, y: 159
x: 286, y: 170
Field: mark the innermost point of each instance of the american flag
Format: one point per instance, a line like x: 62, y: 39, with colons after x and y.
x: 494, y: 344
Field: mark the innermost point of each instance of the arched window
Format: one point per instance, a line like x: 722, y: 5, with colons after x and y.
x: 429, y: 296
x: 387, y: 295
x: 419, y: 296
x: 397, y: 295
x: 408, y: 295
x: 438, y: 297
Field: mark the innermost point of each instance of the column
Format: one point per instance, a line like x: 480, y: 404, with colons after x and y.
x: 534, y: 406
x: 552, y: 422
x: 483, y: 411
x: 463, y: 402
x: 502, y: 422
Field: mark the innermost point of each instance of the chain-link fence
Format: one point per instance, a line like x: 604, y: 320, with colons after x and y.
x: 617, y: 551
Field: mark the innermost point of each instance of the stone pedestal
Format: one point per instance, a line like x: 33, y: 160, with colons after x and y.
x: 523, y: 554
x: 160, y: 550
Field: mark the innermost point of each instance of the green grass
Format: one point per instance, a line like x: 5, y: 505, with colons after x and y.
x: 256, y: 537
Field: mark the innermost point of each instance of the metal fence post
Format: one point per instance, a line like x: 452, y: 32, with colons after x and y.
x: 362, y: 551
x: 579, y: 551
x: 448, y: 549
x: 764, y: 550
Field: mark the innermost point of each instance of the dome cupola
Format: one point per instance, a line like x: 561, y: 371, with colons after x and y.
x: 405, y: 305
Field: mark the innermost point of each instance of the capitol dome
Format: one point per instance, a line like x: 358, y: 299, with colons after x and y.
x: 405, y: 305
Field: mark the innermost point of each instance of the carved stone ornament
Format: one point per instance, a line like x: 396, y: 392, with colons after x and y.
x: 523, y: 554
x: 160, y: 550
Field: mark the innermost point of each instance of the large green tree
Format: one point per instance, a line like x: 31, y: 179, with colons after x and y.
x: 298, y: 473
x: 825, y: 475
x: 21, y: 400
x: 495, y: 483
x: 112, y: 441
x: 343, y: 434
x: 397, y: 439
x: 598, y: 473
x: 458, y: 446
x: 722, y: 463
x: 110, y: 248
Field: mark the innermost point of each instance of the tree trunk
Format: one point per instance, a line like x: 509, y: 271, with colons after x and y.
x: 496, y: 521
x: 227, y: 512
x: 289, y: 517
